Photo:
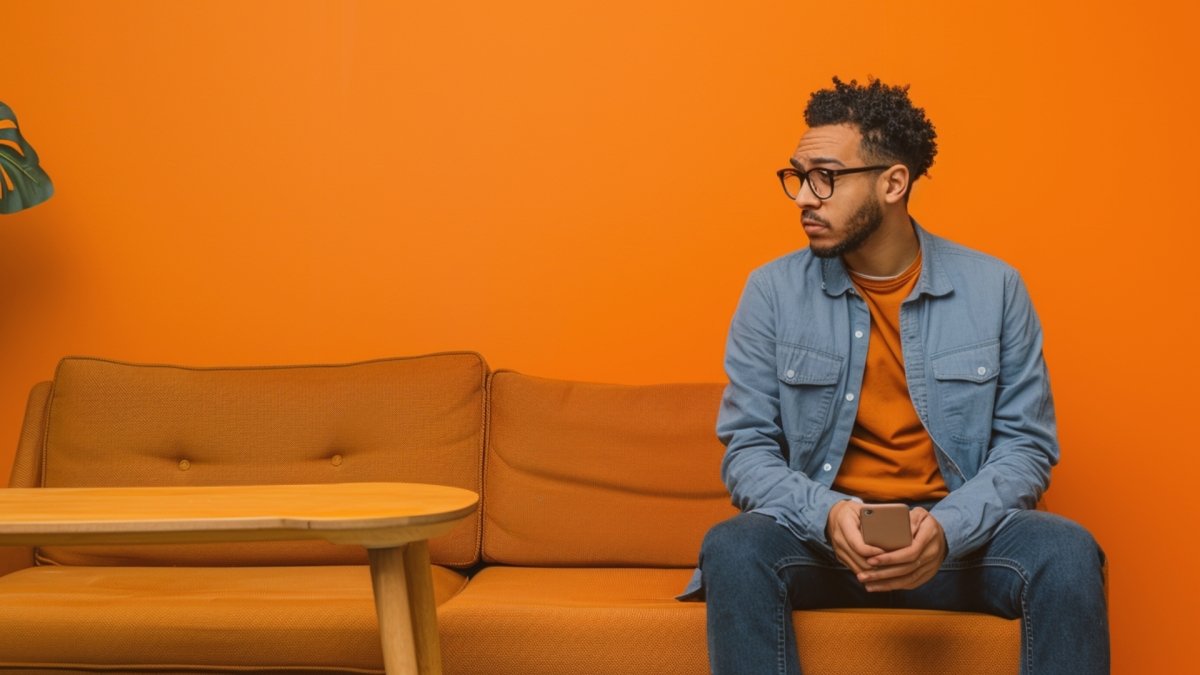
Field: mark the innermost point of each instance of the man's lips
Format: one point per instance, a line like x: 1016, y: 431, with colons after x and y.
x: 814, y: 225
x: 811, y: 221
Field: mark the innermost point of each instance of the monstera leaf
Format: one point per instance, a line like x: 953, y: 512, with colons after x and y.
x: 22, y: 182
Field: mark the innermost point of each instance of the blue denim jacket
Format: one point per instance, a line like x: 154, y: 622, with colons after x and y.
x: 972, y: 349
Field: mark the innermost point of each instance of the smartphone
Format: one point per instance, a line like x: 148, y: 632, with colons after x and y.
x: 885, y: 525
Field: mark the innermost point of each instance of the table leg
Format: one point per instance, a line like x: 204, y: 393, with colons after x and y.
x: 392, y: 607
x: 423, y: 607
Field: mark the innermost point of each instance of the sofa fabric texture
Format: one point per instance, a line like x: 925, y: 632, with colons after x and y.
x: 594, y: 501
x: 601, y: 475
x: 222, y: 618
x: 414, y: 420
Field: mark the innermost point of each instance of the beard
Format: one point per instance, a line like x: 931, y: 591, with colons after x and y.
x: 863, y: 223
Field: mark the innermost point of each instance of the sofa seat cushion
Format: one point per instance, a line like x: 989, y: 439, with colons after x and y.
x: 907, y: 641
x: 550, y: 621
x: 610, y: 621
x: 128, y: 619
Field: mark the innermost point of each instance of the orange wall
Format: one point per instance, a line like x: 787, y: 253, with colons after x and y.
x: 578, y: 189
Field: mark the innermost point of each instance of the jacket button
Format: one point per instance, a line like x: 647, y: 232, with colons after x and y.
x: 828, y: 467
x: 184, y: 465
x: 790, y: 373
x: 982, y: 370
x: 336, y: 460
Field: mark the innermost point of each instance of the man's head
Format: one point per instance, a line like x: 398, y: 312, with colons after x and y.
x: 852, y: 171
x: 893, y: 130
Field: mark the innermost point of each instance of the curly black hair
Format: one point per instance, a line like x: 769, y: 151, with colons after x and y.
x: 892, y: 128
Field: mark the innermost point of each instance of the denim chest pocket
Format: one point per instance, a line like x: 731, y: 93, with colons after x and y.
x: 965, y: 390
x: 808, y: 380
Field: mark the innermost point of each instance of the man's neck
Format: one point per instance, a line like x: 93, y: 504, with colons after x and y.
x: 889, y: 251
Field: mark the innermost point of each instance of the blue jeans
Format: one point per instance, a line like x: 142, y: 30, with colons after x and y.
x: 1039, y: 567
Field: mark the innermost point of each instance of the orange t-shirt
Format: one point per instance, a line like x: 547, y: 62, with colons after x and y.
x: 890, y: 456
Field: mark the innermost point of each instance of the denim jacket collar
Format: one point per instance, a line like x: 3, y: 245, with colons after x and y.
x: 933, y: 281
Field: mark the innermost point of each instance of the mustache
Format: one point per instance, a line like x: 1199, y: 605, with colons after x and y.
x: 809, y: 216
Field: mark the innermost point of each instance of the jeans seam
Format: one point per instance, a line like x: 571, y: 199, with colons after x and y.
x: 781, y: 629
x: 781, y: 608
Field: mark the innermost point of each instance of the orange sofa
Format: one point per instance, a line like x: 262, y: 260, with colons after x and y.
x: 594, y: 501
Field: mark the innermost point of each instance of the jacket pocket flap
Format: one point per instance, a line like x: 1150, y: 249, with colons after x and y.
x: 975, y: 364
x: 804, y: 366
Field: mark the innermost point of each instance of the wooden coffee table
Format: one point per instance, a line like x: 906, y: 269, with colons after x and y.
x: 392, y: 520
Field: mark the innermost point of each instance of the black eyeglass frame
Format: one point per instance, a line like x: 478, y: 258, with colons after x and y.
x: 830, y: 174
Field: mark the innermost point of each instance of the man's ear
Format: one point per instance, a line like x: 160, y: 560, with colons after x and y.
x: 894, y: 182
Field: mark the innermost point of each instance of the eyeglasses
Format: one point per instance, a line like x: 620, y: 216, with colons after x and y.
x: 820, y: 180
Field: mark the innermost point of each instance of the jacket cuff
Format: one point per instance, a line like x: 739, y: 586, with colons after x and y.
x: 818, y: 520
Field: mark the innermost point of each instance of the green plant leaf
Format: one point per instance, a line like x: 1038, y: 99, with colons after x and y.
x: 23, y: 183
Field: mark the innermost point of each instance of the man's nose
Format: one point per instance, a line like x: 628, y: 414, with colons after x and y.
x: 805, y: 197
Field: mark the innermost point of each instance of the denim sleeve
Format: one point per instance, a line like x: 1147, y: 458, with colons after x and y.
x: 755, y: 468
x: 1024, y: 441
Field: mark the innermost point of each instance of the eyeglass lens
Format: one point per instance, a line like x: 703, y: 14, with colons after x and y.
x: 820, y: 182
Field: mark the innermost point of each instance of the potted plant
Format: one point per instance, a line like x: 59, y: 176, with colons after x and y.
x: 23, y: 183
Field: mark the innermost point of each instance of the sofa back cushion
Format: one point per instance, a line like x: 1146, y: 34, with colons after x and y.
x: 596, y: 474
x: 416, y: 419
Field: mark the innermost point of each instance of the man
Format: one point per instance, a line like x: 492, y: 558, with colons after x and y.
x: 885, y: 364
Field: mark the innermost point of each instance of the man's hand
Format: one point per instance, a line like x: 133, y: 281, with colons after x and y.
x: 845, y: 536
x: 903, y: 569
x: 909, y: 567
